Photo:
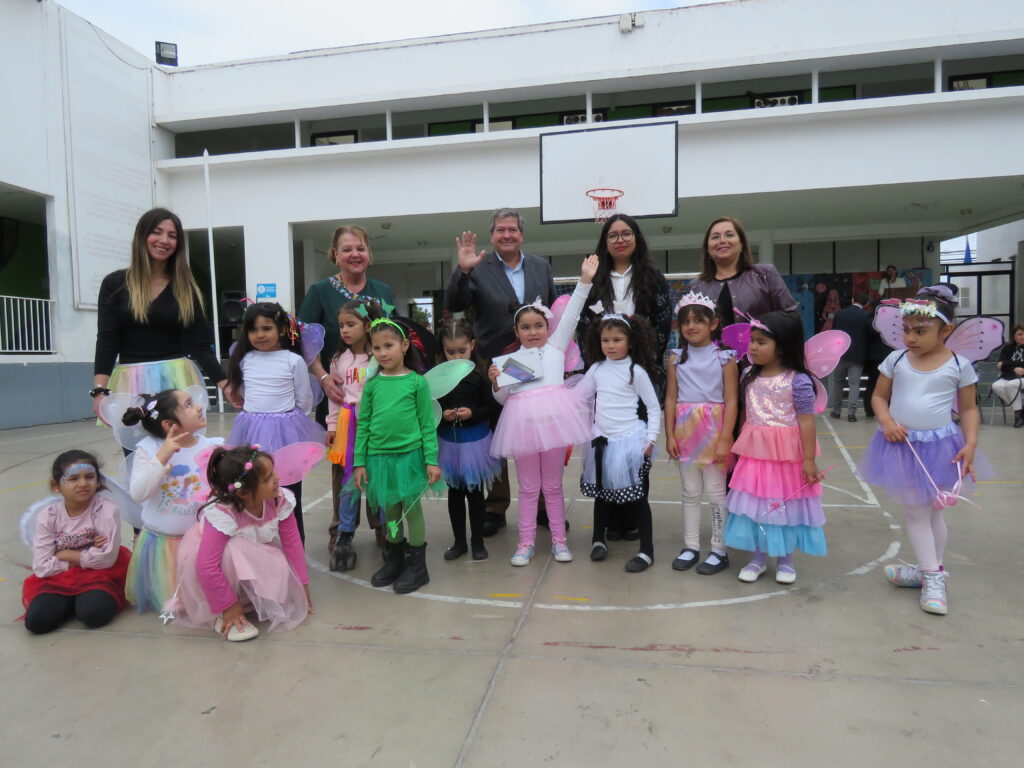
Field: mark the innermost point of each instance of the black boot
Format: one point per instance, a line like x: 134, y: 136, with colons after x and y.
x: 394, y: 564
x: 343, y: 556
x: 415, y: 574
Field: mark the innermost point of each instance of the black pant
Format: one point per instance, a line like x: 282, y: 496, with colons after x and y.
x: 296, y: 489
x: 871, y: 369
x: 638, y: 511
x: 48, y: 611
x: 458, y: 501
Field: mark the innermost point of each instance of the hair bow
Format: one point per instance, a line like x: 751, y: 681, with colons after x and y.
x: 753, y: 321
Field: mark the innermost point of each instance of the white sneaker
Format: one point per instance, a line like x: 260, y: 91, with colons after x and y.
x: 933, y: 592
x: 523, y: 555
x: 561, y: 552
x: 905, y: 575
x: 236, y: 635
x: 751, y: 572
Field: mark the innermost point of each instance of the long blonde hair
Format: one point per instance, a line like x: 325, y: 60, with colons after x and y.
x: 186, y: 290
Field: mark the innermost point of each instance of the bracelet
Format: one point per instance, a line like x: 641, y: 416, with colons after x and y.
x: 97, y: 391
x: 324, y: 377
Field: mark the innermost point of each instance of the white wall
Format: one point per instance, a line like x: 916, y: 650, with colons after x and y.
x: 1000, y: 242
x: 720, y: 39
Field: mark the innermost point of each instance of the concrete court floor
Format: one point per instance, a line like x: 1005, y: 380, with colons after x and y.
x: 575, y: 664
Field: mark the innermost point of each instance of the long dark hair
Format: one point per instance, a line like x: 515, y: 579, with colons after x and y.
x: 643, y: 285
x: 708, y: 267
x: 641, y: 338
x: 275, y: 312
x: 787, y: 330
x: 226, y: 467
x: 155, y: 409
x: 373, y: 311
x: 459, y: 328
x: 698, y: 312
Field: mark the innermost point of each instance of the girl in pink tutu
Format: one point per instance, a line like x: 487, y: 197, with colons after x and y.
x: 541, y: 419
x: 266, y: 368
x: 348, y: 366
x: 464, y: 442
x: 774, y: 499
x: 918, y: 448
x: 245, y: 555
x: 701, y: 402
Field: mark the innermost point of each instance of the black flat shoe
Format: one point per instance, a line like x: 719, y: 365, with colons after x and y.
x: 683, y: 564
x: 456, y: 550
x: 598, y: 551
x: 851, y: 417
x: 479, y: 551
x: 639, y: 563
x: 613, y: 535
x: 707, y: 569
x: 632, y: 535
x: 492, y: 525
x: 1018, y: 420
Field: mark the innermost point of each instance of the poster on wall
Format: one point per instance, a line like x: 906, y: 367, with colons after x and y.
x: 108, y: 150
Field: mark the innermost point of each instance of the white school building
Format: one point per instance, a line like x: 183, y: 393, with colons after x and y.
x: 845, y: 136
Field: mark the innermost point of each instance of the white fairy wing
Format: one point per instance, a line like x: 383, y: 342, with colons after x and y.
x: 443, y: 378
x: 112, y: 410
x: 117, y: 490
x: 30, y: 519
x: 889, y: 324
x: 976, y: 337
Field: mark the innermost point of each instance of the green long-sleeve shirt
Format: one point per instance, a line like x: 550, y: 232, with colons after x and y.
x: 396, y: 416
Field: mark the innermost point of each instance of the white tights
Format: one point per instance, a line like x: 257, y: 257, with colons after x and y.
x: 927, y: 532
x: 698, y: 478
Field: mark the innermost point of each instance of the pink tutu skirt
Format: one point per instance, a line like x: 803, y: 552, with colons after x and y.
x: 258, y: 573
x: 539, y: 420
x: 271, y: 431
x: 761, y: 514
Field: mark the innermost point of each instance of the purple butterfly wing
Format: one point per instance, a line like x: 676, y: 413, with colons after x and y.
x: 889, y: 324
x: 737, y: 336
x: 294, y: 462
x: 976, y: 337
x: 311, y: 337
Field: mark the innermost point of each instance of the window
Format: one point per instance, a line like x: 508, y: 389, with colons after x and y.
x: 333, y: 138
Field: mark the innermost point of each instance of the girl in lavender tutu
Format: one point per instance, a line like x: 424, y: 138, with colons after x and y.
x: 774, y: 499
x: 267, y: 368
x: 919, y: 455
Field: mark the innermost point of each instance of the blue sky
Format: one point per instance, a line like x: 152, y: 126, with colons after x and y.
x: 208, y: 31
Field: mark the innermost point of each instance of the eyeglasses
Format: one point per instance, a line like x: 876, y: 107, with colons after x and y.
x: 625, y: 236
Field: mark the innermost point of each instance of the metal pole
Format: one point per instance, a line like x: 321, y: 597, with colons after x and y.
x: 213, y: 272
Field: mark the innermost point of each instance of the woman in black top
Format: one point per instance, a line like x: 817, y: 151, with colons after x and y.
x: 1010, y: 386
x: 151, y: 320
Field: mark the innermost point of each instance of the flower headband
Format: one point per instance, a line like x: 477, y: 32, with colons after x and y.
x: 388, y: 321
x: 917, y: 307
x: 246, y: 469
x: 537, y: 306
x: 695, y: 298
x: 598, y: 309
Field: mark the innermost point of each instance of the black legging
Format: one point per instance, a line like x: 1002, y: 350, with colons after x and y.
x: 458, y: 501
x: 638, y: 511
x: 48, y: 611
x: 296, y: 489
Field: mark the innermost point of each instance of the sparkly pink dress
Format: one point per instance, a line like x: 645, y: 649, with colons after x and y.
x: 770, y: 469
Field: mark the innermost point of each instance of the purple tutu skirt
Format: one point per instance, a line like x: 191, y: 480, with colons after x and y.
x: 464, y: 455
x: 271, y: 431
x: 893, y: 467
x: 539, y: 420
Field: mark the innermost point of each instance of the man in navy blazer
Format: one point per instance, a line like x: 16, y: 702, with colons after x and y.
x: 854, y: 320
x: 491, y: 286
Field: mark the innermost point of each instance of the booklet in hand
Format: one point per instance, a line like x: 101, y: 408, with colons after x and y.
x: 517, y: 367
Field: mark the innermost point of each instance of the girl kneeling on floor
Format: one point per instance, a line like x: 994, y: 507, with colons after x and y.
x: 245, y: 555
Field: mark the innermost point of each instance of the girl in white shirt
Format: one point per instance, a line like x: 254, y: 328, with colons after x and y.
x: 167, y: 480
x: 617, y: 462
x: 268, y: 371
x: 541, y: 419
x: 918, y: 448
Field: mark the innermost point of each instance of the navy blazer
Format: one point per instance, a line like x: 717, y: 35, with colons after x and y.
x: 486, y: 291
x: 855, y: 322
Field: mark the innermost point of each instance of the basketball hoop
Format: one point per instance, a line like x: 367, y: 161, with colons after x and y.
x: 606, y: 200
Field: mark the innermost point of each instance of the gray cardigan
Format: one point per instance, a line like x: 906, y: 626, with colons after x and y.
x: 486, y: 291
x: 756, y: 291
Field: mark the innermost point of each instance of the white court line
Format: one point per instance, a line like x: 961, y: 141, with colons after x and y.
x: 890, y: 554
x: 869, y: 495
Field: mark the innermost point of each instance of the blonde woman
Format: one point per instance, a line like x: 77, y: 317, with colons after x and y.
x: 151, y: 320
